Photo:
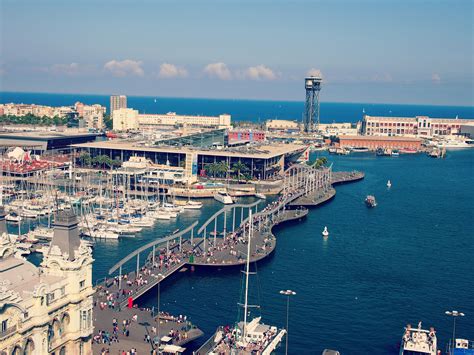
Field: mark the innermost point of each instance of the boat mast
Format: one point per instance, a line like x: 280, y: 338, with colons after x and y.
x: 247, y: 271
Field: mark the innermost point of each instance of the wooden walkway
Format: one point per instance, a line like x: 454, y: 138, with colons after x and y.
x: 220, y: 250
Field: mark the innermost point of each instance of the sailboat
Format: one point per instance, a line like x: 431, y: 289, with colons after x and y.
x: 389, y: 184
x: 244, y: 337
x: 325, y: 232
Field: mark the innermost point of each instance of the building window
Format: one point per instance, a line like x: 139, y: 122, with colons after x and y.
x: 82, y: 284
x: 4, y: 325
x: 63, y: 291
x: 49, y: 298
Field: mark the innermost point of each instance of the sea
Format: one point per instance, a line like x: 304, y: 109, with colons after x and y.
x: 245, y: 110
x: 410, y: 259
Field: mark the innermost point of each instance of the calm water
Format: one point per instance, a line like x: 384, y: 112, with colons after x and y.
x: 407, y: 260
x: 245, y: 109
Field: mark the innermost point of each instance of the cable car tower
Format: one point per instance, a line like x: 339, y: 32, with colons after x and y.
x: 312, y: 85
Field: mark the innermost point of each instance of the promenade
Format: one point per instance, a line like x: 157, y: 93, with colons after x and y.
x: 219, y: 248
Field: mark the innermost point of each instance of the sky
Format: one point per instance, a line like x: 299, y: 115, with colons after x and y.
x: 378, y: 51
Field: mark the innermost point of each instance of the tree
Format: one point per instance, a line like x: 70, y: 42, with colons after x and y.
x: 320, y: 162
x: 239, y: 167
x: 222, y: 168
x: 85, y: 159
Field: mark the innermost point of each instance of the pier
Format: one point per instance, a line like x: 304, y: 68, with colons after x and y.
x: 222, y: 240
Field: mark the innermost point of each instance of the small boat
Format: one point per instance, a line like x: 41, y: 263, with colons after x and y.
x: 192, y: 205
x: 359, y: 150
x: 395, y: 153
x: 418, y: 341
x: 408, y: 151
x: 332, y: 150
x: 175, y: 231
x: 260, y: 196
x: 325, y: 232
x: 380, y: 152
x: 389, y: 184
x: 223, y: 197
x: 370, y: 201
x: 13, y: 218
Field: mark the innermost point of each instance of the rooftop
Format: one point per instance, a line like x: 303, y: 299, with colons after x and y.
x: 44, y: 135
x: 381, y: 138
x: 264, y: 151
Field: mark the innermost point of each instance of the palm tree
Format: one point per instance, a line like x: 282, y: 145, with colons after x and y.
x: 222, y: 168
x: 239, y: 167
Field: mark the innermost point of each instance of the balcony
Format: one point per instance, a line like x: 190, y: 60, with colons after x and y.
x: 9, y: 331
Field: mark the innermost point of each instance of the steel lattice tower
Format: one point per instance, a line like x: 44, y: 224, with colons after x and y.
x: 311, y: 117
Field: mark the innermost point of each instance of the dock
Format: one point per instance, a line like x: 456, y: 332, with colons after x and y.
x: 221, y: 241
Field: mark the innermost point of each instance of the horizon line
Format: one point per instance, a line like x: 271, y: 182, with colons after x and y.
x: 234, y: 99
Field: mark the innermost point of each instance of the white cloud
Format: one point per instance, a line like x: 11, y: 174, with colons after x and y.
x: 218, y: 70
x: 314, y: 72
x: 259, y: 72
x: 168, y: 70
x: 435, y: 78
x: 124, y: 68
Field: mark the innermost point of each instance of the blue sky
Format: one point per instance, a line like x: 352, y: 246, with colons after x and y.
x: 367, y: 51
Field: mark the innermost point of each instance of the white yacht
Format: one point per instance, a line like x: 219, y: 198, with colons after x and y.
x: 223, y: 197
x: 389, y: 184
x: 261, y: 196
x: 13, y: 218
x: 418, y: 341
x: 193, y: 205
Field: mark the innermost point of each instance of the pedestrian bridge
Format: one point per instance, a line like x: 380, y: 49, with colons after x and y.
x: 222, y: 240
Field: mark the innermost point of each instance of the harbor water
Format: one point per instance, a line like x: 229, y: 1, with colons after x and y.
x: 408, y: 260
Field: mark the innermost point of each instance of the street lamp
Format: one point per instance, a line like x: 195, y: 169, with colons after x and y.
x: 454, y: 314
x: 287, y: 293
x: 159, y: 333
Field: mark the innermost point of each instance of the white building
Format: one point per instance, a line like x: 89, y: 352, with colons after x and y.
x: 282, y: 125
x: 338, y: 129
x: 129, y: 119
x: 47, y: 309
x: 125, y: 119
x: 419, y: 126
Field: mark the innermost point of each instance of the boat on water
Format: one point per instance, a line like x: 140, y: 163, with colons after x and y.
x: 456, y: 143
x: 461, y: 347
x: 395, y: 153
x: 379, y: 152
x: 332, y: 150
x: 12, y: 217
x: 407, y: 151
x: 359, y: 150
x: 260, y: 196
x: 193, y: 205
x: 325, y: 232
x: 389, y: 184
x: 418, y: 341
x: 244, y: 338
x: 370, y: 201
x: 342, y: 151
x: 223, y: 197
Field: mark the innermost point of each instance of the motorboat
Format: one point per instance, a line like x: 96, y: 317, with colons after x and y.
x: 223, y: 197
x: 13, y: 218
x: 260, y: 196
x: 359, y: 150
x: 395, y: 153
x: 370, y: 201
x: 389, y: 184
x: 418, y: 341
x: 325, y: 232
x: 193, y: 205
